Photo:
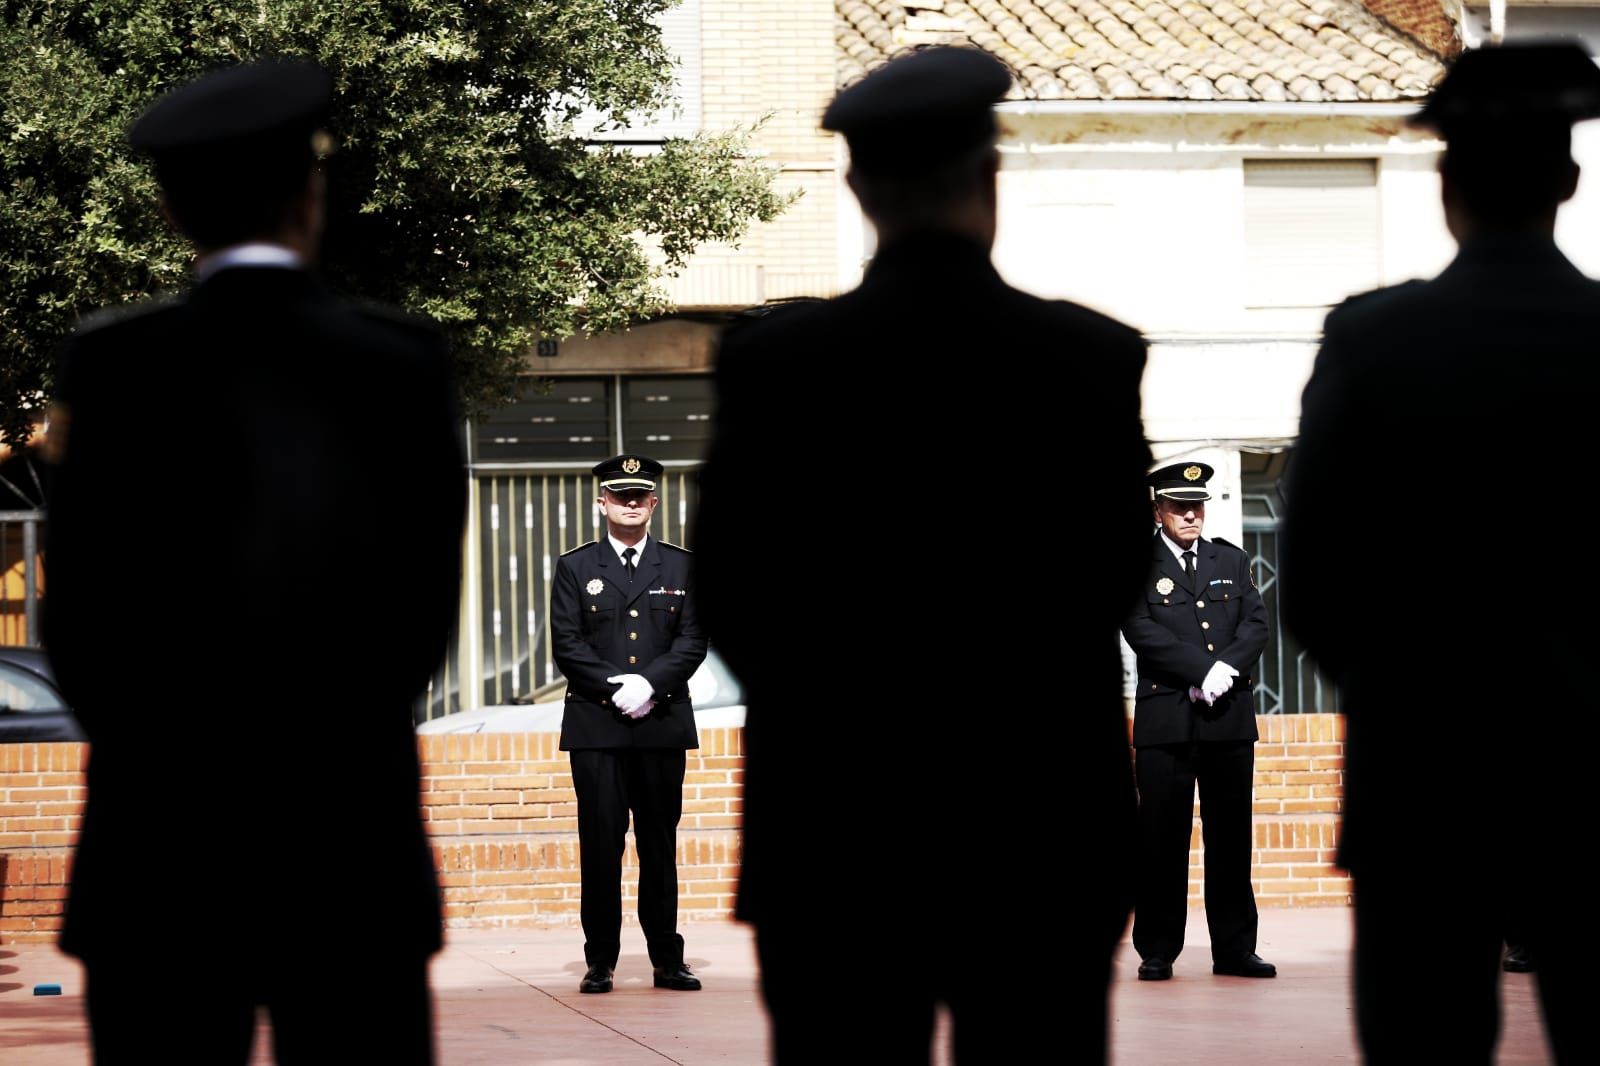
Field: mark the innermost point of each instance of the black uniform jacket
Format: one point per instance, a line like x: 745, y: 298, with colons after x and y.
x: 602, y: 626
x: 1428, y: 554
x: 1178, y: 635
x: 254, y: 563
x: 892, y: 605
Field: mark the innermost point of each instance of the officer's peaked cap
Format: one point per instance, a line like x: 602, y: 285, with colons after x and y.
x: 268, y: 108
x: 919, y: 110
x: 1544, y: 83
x: 628, y: 473
x: 1185, y: 482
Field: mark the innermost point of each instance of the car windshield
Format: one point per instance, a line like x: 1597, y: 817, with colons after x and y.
x: 23, y: 693
x: 713, y: 685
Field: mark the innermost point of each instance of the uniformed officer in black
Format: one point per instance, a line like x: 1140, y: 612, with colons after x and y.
x: 1436, y: 562
x: 625, y: 634
x: 929, y: 637
x: 1198, y: 630
x: 298, y: 583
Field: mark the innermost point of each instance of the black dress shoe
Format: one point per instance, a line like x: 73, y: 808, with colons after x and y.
x: 598, y: 979
x: 1155, y: 968
x: 1518, y: 960
x: 1251, y: 965
x: 678, y: 978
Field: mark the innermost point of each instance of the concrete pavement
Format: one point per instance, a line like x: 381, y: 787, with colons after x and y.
x: 509, y: 996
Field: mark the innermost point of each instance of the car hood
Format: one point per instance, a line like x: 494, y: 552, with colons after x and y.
x: 545, y: 717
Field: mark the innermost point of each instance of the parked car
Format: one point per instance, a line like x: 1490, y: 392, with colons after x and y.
x: 718, y: 703
x: 31, y: 707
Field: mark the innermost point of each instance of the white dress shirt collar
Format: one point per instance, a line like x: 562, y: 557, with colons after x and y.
x: 619, y: 548
x: 254, y: 254
x: 1177, y: 549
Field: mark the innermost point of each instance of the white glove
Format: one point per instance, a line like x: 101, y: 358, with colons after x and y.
x: 631, y: 699
x: 1196, y: 696
x: 1219, y: 679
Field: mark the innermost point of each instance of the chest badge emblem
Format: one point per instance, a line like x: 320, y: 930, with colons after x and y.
x: 596, y: 587
x: 1165, y: 586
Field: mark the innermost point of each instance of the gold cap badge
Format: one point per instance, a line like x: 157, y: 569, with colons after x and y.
x: 630, y: 466
x: 1192, y: 473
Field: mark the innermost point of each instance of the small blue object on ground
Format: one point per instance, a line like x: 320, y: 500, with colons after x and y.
x: 47, y: 990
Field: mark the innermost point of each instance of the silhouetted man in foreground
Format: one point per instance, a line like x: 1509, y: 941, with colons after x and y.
x: 241, y: 619
x: 1428, y: 567
x: 897, y: 832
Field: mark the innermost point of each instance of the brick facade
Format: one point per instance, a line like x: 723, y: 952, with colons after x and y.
x: 504, y: 822
x: 1431, y: 23
x: 501, y: 812
x: 774, y: 64
x: 1299, y: 793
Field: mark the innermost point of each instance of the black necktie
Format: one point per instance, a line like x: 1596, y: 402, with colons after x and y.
x: 1188, y: 568
x: 627, y: 560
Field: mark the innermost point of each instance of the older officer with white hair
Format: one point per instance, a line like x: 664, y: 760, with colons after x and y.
x: 1198, y: 629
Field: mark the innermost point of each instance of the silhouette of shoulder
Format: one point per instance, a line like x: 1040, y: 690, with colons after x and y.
x: 781, y: 322
x: 157, y: 311
x: 1374, y: 304
x: 815, y: 327
x: 1227, y: 547
x: 101, y: 355
x: 1087, y: 320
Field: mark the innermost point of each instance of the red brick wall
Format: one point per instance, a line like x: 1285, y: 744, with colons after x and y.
x: 502, y: 816
x: 1430, y: 22
x: 504, y: 823
x: 1299, y: 792
x: 41, y: 804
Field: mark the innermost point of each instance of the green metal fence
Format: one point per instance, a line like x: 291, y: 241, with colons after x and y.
x: 1287, y: 681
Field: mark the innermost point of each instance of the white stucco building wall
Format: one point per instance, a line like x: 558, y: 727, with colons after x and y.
x: 1143, y: 216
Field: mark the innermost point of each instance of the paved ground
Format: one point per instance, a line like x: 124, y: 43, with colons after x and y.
x: 511, y: 996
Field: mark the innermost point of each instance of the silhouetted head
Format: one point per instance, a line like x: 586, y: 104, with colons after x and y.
x: 921, y: 132
x: 235, y: 150
x: 1505, y: 114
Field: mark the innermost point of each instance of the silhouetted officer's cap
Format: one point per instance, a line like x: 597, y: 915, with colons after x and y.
x: 920, y: 110
x: 1185, y: 482
x: 258, y: 111
x: 628, y: 473
x: 1537, y: 84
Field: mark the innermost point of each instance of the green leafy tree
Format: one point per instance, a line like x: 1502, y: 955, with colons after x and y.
x: 462, y: 187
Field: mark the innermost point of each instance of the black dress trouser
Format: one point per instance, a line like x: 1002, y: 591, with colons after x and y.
x: 194, y: 1006
x: 1167, y: 775
x: 610, y: 783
